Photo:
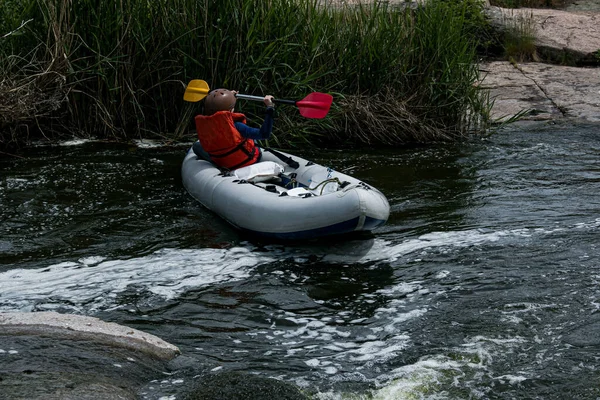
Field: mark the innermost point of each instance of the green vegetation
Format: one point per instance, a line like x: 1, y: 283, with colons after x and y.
x: 119, y: 69
x: 519, y: 38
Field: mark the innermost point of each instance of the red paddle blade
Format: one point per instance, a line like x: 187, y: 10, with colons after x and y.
x: 315, y: 105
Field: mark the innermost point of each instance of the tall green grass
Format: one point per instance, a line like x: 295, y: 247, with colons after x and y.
x: 397, y: 74
x: 519, y: 38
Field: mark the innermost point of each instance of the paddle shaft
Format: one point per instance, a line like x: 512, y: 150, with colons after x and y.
x: 315, y: 105
x: 258, y: 98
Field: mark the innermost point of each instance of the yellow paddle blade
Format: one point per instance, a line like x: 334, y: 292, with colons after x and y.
x: 196, y: 90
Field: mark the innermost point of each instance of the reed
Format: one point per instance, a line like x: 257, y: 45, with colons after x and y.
x: 397, y: 74
x: 520, y: 36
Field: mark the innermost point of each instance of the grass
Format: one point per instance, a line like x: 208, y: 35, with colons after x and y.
x: 118, y: 70
x: 519, y: 38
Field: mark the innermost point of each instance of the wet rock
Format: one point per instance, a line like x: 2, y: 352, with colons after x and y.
x: 95, y: 391
x: 240, y: 386
x: 80, y: 327
x: 36, y: 368
x: 53, y: 356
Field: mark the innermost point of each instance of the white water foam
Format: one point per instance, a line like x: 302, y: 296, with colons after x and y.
x: 148, y: 143
x: 432, y: 375
x: 92, y: 283
x: 343, y: 340
x: 384, y: 250
x: 589, y: 225
x: 96, y: 282
x: 75, y: 142
x: 366, y: 351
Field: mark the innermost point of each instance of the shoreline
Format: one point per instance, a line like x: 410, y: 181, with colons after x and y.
x: 545, y: 90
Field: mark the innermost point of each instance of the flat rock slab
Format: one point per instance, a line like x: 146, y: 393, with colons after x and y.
x: 547, y: 91
x: 51, y: 324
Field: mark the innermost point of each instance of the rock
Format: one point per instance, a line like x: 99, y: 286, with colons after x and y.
x: 241, y: 386
x: 85, y: 328
x: 560, y: 36
x: 55, y: 356
x: 94, y: 391
x: 549, y: 92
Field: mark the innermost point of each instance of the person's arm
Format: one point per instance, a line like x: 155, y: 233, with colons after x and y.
x: 267, y: 127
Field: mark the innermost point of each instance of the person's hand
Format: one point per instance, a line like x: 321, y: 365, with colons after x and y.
x: 268, y: 101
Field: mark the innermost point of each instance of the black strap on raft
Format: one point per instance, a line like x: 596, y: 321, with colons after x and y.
x: 240, y: 147
x: 203, y: 155
x: 288, y: 160
x: 250, y: 157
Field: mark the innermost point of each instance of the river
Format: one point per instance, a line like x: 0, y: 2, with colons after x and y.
x: 483, y: 284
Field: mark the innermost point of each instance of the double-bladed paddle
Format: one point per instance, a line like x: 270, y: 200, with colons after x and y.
x: 315, y: 105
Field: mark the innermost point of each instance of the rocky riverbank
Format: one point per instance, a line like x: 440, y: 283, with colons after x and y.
x: 564, y: 82
x: 545, y: 90
x: 53, y: 356
x: 36, y: 364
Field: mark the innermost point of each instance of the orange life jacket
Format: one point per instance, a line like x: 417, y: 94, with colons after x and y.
x: 222, y: 141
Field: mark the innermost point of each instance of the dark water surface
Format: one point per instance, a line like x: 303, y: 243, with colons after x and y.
x: 483, y: 284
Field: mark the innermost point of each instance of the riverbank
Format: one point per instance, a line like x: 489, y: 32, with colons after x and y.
x: 397, y: 76
x: 542, y: 92
x: 545, y: 90
x: 108, y: 361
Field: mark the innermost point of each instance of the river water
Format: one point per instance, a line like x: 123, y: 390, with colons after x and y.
x: 484, y: 283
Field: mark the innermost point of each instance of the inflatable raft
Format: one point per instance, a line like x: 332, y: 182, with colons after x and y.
x: 291, y: 199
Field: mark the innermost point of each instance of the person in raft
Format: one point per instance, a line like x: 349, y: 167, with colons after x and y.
x: 223, y: 134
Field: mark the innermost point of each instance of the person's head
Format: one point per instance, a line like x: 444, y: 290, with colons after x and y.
x: 219, y: 100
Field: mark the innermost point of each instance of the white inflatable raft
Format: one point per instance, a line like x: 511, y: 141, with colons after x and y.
x: 275, y: 200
